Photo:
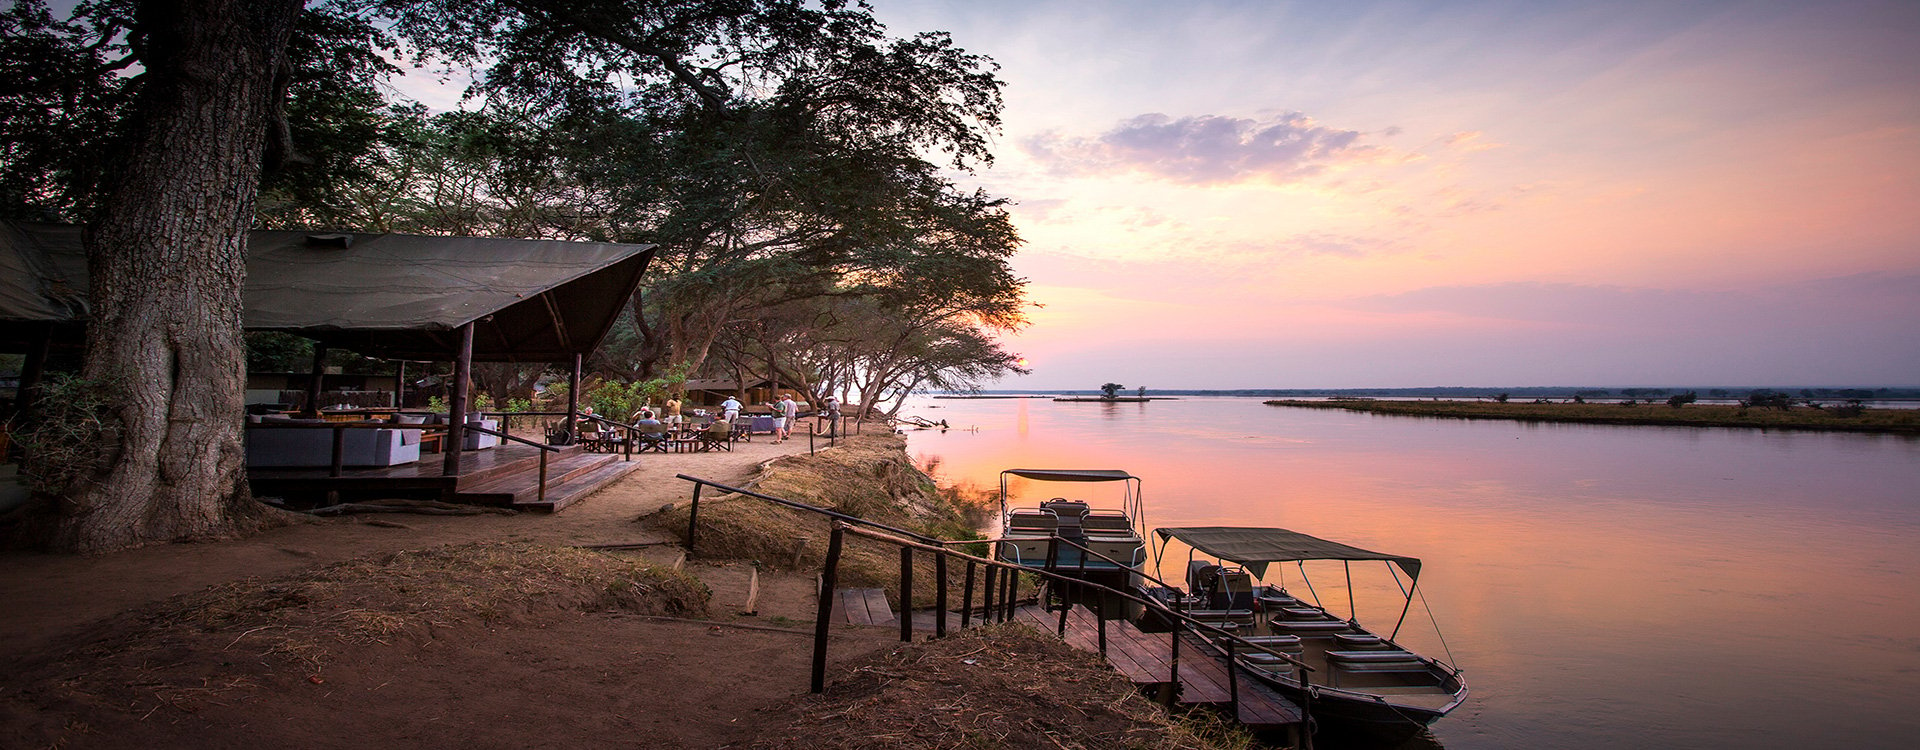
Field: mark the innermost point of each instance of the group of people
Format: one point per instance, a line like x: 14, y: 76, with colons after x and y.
x: 786, y: 412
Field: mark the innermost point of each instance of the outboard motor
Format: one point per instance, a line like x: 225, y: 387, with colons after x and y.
x: 1200, y: 579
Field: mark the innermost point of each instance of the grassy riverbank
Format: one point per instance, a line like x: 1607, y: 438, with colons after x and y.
x: 1897, y: 421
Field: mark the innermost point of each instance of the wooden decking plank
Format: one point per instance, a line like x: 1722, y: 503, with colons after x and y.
x: 878, y: 607
x: 865, y: 607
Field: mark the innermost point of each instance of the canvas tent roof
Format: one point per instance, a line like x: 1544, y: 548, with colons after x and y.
x: 1255, y: 547
x: 386, y: 295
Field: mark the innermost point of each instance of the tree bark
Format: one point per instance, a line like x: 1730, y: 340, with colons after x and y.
x: 167, y: 260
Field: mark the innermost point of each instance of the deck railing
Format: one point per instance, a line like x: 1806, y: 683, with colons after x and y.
x: 545, y: 450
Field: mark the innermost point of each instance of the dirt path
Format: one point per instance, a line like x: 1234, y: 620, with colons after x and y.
x: 586, y: 679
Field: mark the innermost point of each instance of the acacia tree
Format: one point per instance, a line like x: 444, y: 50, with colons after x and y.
x: 209, y: 107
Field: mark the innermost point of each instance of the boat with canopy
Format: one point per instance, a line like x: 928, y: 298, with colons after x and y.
x: 1359, y: 679
x: 1057, y: 534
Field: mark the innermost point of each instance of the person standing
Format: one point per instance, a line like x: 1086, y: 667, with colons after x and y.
x: 730, y: 410
x: 788, y: 411
x: 673, y: 411
x: 831, y: 409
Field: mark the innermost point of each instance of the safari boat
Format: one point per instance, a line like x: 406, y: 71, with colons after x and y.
x: 1360, y: 681
x: 1057, y: 534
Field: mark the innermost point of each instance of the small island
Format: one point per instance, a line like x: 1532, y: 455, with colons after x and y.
x: 1765, y: 412
x: 1110, y: 394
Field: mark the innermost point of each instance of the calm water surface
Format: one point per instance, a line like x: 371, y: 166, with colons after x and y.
x: 1602, y: 587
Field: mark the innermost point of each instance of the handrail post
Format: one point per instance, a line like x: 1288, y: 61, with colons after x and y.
x: 693, y: 519
x: 543, y: 477
x: 1173, y: 663
x: 966, y: 597
x: 823, y: 620
x: 1013, y: 591
x: 986, y: 593
x: 1233, y: 681
x: 1100, y: 617
x: 940, y: 595
x: 906, y: 594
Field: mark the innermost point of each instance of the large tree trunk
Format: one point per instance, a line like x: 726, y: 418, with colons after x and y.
x: 166, y: 256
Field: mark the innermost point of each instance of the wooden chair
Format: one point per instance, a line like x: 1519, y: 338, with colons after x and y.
x: 652, y: 437
x: 718, y: 435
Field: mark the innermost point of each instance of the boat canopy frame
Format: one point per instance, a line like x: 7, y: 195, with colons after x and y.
x: 1131, y: 501
x: 1255, y: 547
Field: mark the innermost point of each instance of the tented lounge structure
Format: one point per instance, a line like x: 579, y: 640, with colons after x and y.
x: 389, y: 296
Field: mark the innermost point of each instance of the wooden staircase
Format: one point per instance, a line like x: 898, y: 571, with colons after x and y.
x: 572, y: 474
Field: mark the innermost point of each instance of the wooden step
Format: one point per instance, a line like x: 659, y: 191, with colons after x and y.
x: 570, y: 475
x: 863, y: 607
x: 576, y: 489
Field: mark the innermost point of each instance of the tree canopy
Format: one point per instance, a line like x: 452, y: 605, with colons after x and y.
x: 794, y: 161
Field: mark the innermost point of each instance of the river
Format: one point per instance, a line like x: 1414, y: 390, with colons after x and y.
x: 1601, y: 586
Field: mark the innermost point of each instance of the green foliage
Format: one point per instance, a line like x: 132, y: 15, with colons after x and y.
x: 613, y: 399
x: 519, y: 405
x: 437, y: 404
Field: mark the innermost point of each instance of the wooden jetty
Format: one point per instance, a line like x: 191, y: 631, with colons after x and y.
x: 506, y: 476
x: 1147, y: 660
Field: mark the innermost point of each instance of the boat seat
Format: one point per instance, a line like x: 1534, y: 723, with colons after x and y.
x: 1210, y: 615
x: 1287, y: 643
x: 1276, y: 603
x: 1108, y: 522
x: 1030, y: 522
x: 1270, y: 661
x: 1359, y: 641
x: 1322, y: 627
x: 1303, y: 613
x: 1373, y: 657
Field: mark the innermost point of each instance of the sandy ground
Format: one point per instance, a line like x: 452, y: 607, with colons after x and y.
x: 604, y: 679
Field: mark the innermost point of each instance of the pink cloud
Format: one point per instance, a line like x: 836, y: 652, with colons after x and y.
x: 1207, y: 149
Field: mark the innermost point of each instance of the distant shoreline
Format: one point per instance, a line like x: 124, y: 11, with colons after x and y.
x: 1887, y: 421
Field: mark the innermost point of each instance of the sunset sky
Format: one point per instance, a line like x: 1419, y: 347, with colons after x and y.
x: 1253, y: 194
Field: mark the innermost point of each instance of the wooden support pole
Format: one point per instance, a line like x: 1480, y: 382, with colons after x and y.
x: 940, y: 595
x: 400, y: 384
x: 457, y: 408
x: 986, y: 593
x: 823, y: 614
x: 753, y: 593
x: 573, y: 398
x: 318, y: 373
x: 1233, y: 681
x: 966, y: 597
x: 906, y: 594
x: 693, y: 518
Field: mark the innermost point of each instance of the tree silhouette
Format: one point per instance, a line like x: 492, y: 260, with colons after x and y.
x: 1111, y: 390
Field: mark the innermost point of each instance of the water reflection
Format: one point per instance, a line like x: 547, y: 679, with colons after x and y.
x: 1602, y: 586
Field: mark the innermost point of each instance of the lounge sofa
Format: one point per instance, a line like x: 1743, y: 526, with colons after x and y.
x: 269, y: 446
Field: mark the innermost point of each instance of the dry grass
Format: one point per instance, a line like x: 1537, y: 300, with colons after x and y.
x: 297, y: 621
x: 1903, y: 421
x: 1002, y: 686
x: 869, y: 476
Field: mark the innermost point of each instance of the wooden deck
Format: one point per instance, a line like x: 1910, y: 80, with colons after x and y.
x: 504, y: 476
x: 1146, y: 660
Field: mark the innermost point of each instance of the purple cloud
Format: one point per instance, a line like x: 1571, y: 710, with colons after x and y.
x: 1207, y: 149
